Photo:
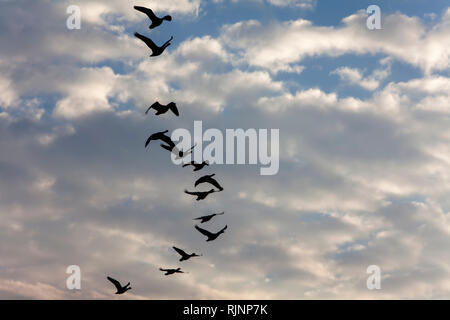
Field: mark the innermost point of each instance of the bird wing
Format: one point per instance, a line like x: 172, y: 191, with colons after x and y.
x: 180, y: 252
x: 191, y: 193
x: 155, y: 106
x: 115, y: 283
x: 214, y: 183
x: 148, y: 141
x: 225, y: 228
x: 147, y: 11
x: 164, y: 270
x: 174, y: 109
x: 203, y: 231
x: 149, y: 42
x: 200, y: 180
x: 167, y: 140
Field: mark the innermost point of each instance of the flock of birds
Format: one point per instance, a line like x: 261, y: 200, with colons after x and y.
x: 168, y: 144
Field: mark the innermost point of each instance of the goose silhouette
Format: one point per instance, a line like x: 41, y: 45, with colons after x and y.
x: 161, y: 109
x: 184, y: 255
x: 120, y: 289
x: 197, y: 166
x: 168, y: 272
x: 156, y: 21
x: 160, y: 136
x: 200, y: 195
x: 209, y: 179
x: 211, y: 236
x: 208, y: 217
x: 156, y: 51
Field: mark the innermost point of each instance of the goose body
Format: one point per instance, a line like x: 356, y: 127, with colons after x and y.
x: 156, y: 50
x: 197, y: 166
x: 200, y: 195
x: 210, y: 236
x: 120, y: 289
x: 204, y: 219
x: 184, y: 255
x: 209, y: 179
x: 161, y: 109
x: 160, y: 136
x: 168, y: 272
x: 156, y: 21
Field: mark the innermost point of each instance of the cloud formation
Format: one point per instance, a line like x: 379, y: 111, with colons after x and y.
x: 363, y: 179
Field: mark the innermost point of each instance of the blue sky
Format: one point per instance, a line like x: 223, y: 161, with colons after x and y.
x: 364, y: 157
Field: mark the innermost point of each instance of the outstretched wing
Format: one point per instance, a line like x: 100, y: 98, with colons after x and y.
x: 203, y: 231
x: 168, y: 141
x: 191, y: 193
x: 147, y: 11
x: 174, y: 109
x: 115, y: 283
x: 149, y: 42
x: 200, y: 180
x: 155, y: 106
x: 215, y: 183
x: 164, y: 270
x: 201, y: 218
x: 148, y: 141
x: 180, y: 252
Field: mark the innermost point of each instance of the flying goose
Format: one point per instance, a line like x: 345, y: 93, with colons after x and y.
x: 156, y: 51
x: 184, y: 255
x: 211, y: 236
x: 161, y: 109
x: 168, y: 272
x: 208, y: 217
x: 160, y: 136
x: 120, y: 289
x: 200, y: 195
x: 156, y: 21
x: 197, y: 166
x: 209, y: 179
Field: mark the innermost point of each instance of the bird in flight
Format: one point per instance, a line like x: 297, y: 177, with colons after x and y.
x: 160, y: 136
x: 209, y: 179
x: 184, y: 255
x: 120, y: 289
x: 156, y: 21
x: 200, y: 195
x: 197, y: 166
x: 161, y: 109
x: 208, y: 217
x: 156, y: 51
x: 211, y: 236
x: 168, y: 272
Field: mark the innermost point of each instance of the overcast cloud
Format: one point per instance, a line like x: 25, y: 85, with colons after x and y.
x: 364, y: 151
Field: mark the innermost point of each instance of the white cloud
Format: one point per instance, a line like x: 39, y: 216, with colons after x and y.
x: 402, y: 37
x: 355, y: 77
x: 361, y: 181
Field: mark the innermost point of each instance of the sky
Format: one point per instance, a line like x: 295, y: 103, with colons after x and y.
x: 364, y: 171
